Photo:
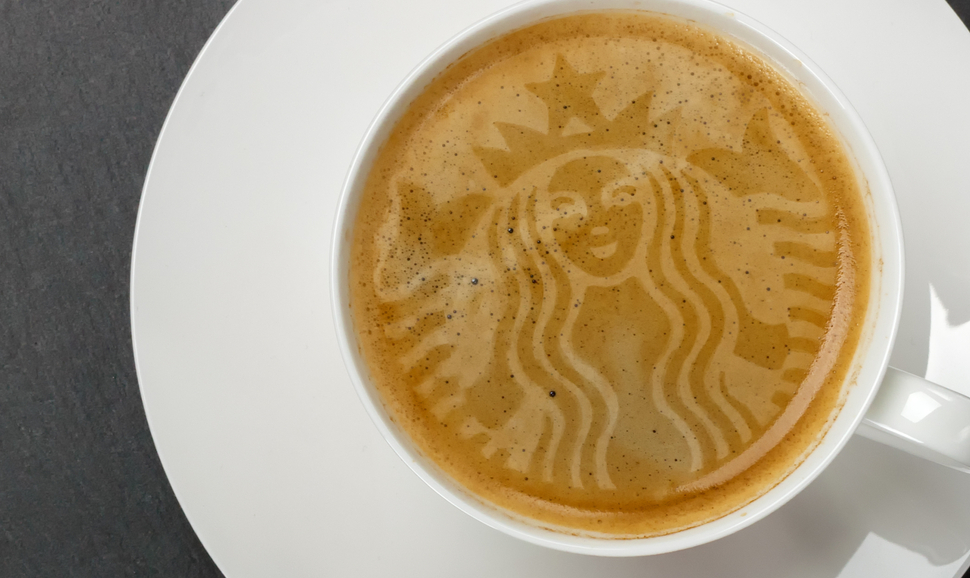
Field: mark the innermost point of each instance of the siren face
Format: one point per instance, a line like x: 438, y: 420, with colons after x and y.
x: 598, y: 219
x: 608, y: 273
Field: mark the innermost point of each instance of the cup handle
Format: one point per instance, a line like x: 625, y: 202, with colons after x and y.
x: 921, y: 418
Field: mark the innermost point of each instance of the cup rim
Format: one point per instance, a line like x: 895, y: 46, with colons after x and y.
x: 882, y: 318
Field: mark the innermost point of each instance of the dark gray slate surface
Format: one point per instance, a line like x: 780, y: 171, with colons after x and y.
x: 84, y: 88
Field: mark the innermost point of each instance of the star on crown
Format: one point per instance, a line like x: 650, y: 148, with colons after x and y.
x: 568, y: 95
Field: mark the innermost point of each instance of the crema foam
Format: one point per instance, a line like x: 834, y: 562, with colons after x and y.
x: 609, y: 272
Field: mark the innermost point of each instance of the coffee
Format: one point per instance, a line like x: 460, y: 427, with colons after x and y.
x: 608, y: 273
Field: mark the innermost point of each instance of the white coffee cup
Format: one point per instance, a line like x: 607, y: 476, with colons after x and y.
x: 880, y: 403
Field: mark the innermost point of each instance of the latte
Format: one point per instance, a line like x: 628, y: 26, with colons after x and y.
x: 608, y: 273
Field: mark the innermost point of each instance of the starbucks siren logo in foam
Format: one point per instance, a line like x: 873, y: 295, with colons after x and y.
x: 603, y: 209
x: 601, y: 265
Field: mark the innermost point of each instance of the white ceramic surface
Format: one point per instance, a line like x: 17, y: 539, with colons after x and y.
x: 271, y: 455
x: 922, y: 418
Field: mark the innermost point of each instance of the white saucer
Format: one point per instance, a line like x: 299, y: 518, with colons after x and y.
x: 268, y: 449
